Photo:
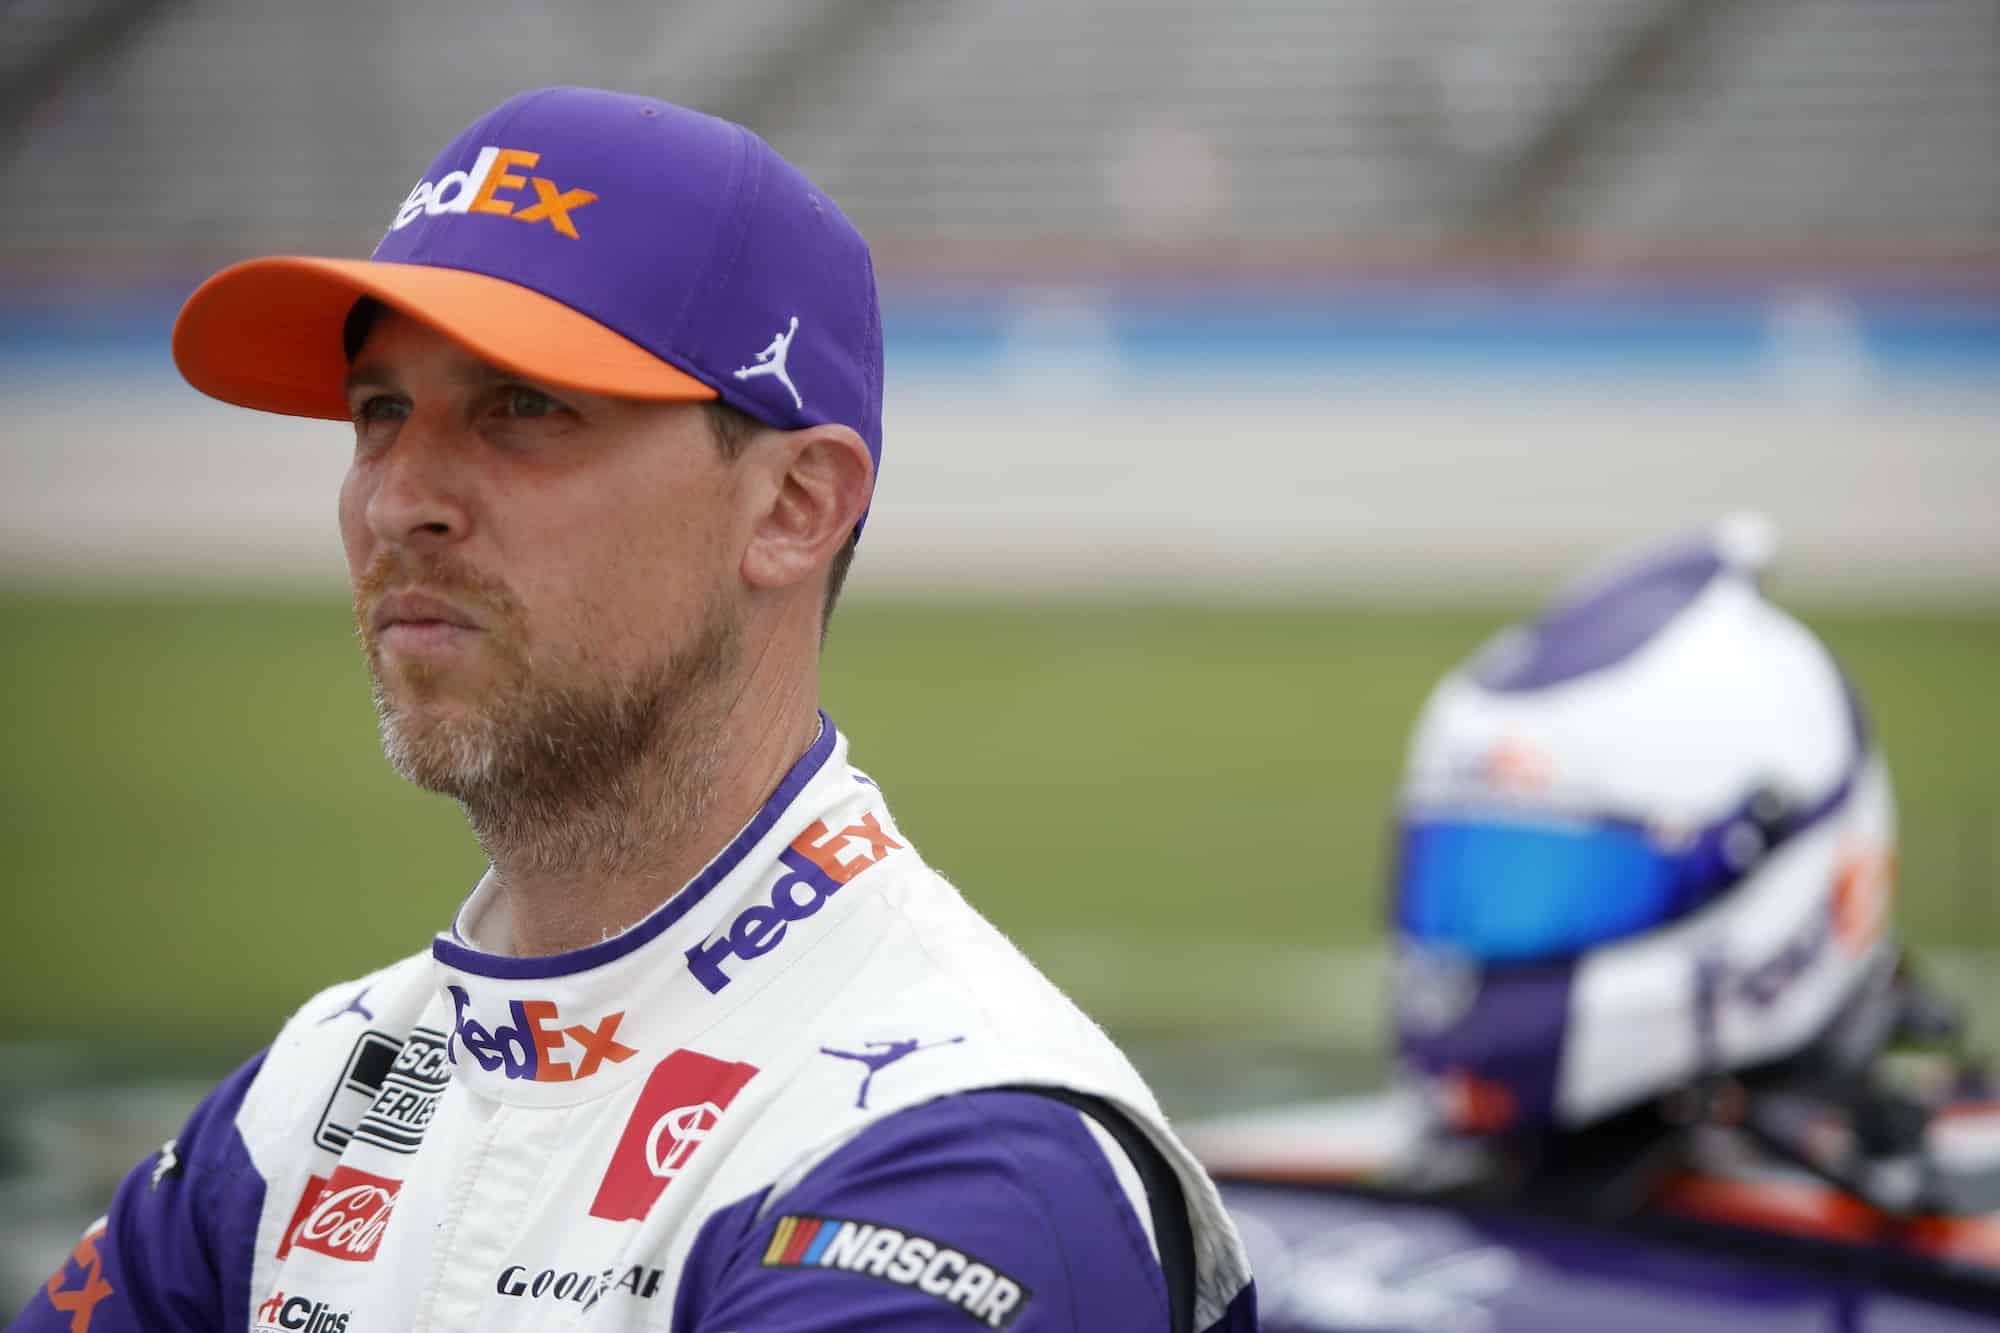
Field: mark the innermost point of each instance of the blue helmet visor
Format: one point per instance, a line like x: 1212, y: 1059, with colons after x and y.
x: 1517, y: 891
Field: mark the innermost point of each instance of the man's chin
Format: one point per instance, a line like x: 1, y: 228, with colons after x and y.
x: 452, y: 760
x: 434, y: 738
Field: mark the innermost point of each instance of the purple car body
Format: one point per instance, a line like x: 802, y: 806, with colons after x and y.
x: 1337, y: 1251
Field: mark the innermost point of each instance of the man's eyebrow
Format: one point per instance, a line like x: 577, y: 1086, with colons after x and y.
x: 471, y: 373
x: 478, y: 374
x: 369, y: 376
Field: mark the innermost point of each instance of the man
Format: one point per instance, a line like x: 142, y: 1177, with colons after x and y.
x: 709, y: 1047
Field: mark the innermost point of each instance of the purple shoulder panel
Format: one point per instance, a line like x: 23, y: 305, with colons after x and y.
x: 983, y: 1210
x: 176, y: 1248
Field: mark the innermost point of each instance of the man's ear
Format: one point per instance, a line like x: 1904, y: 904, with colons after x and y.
x: 822, y: 478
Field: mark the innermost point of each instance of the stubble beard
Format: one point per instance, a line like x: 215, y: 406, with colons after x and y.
x: 560, y: 775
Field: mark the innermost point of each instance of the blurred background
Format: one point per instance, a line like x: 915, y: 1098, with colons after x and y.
x: 1247, y: 365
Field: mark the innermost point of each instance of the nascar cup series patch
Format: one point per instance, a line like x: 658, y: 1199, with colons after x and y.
x: 960, y: 1280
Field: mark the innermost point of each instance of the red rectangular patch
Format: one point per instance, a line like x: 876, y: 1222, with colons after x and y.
x: 315, y: 1186
x: 344, y: 1216
x: 683, y: 1099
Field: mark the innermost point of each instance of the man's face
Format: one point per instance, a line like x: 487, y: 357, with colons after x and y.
x: 546, y: 582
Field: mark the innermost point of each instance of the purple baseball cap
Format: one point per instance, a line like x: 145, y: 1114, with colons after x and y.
x: 584, y: 239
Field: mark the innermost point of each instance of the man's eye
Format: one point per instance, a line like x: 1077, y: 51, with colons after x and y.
x: 518, y: 400
x: 380, y: 407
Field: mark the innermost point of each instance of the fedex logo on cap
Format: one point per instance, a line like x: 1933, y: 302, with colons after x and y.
x: 814, y: 868
x: 491, y: 186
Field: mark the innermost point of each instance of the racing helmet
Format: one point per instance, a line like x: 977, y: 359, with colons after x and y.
x: 1643, y: 838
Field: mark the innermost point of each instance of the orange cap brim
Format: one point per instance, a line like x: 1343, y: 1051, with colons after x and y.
x: 267, y: 333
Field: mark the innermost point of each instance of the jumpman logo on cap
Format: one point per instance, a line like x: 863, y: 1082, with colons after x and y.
x: 880, y: 1055
x: 771, y: 361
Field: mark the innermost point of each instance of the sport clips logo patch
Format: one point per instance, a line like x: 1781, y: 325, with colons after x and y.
x: 299, y: 1314
x: 536, y: 1044
x: 679, y: 1107
x: 967, y: 1284
x: 815, y: 867
x: 490, y: 186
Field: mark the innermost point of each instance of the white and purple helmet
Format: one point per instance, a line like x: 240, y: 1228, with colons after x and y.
x: 1643, y: 838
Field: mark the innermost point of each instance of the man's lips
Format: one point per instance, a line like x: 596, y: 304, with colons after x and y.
x: 420, y: 612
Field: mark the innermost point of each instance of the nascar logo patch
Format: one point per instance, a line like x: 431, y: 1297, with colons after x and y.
x: 964, y: 1282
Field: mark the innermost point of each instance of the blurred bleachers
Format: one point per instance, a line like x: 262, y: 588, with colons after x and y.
x: 1575, y: 127
x: 1856, y: 126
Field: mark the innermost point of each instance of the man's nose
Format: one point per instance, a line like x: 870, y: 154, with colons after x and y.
x: 421, y: 487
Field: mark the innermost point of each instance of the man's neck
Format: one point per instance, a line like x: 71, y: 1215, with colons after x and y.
x: 577, y: 879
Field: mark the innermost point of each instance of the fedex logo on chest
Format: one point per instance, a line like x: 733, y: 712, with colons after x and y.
x: 814, y: 868
x: 536, y: 1044
x: 490, y: 185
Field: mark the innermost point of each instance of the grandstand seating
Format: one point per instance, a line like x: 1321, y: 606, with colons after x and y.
x: 235, y: 125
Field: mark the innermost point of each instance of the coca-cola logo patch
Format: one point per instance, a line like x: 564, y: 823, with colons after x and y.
x: 343, y: 1215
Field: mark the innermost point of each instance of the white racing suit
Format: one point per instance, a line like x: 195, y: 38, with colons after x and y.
x: 810, y: 1092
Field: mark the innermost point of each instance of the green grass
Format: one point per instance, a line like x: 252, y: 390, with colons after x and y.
x: 197, y: 829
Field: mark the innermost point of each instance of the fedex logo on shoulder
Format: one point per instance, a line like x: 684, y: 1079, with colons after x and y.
x: 815, y: 866
x: 531, y: 1046
x: 484, y: 188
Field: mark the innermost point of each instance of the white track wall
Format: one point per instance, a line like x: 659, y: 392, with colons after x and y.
x: 1421, y: 489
